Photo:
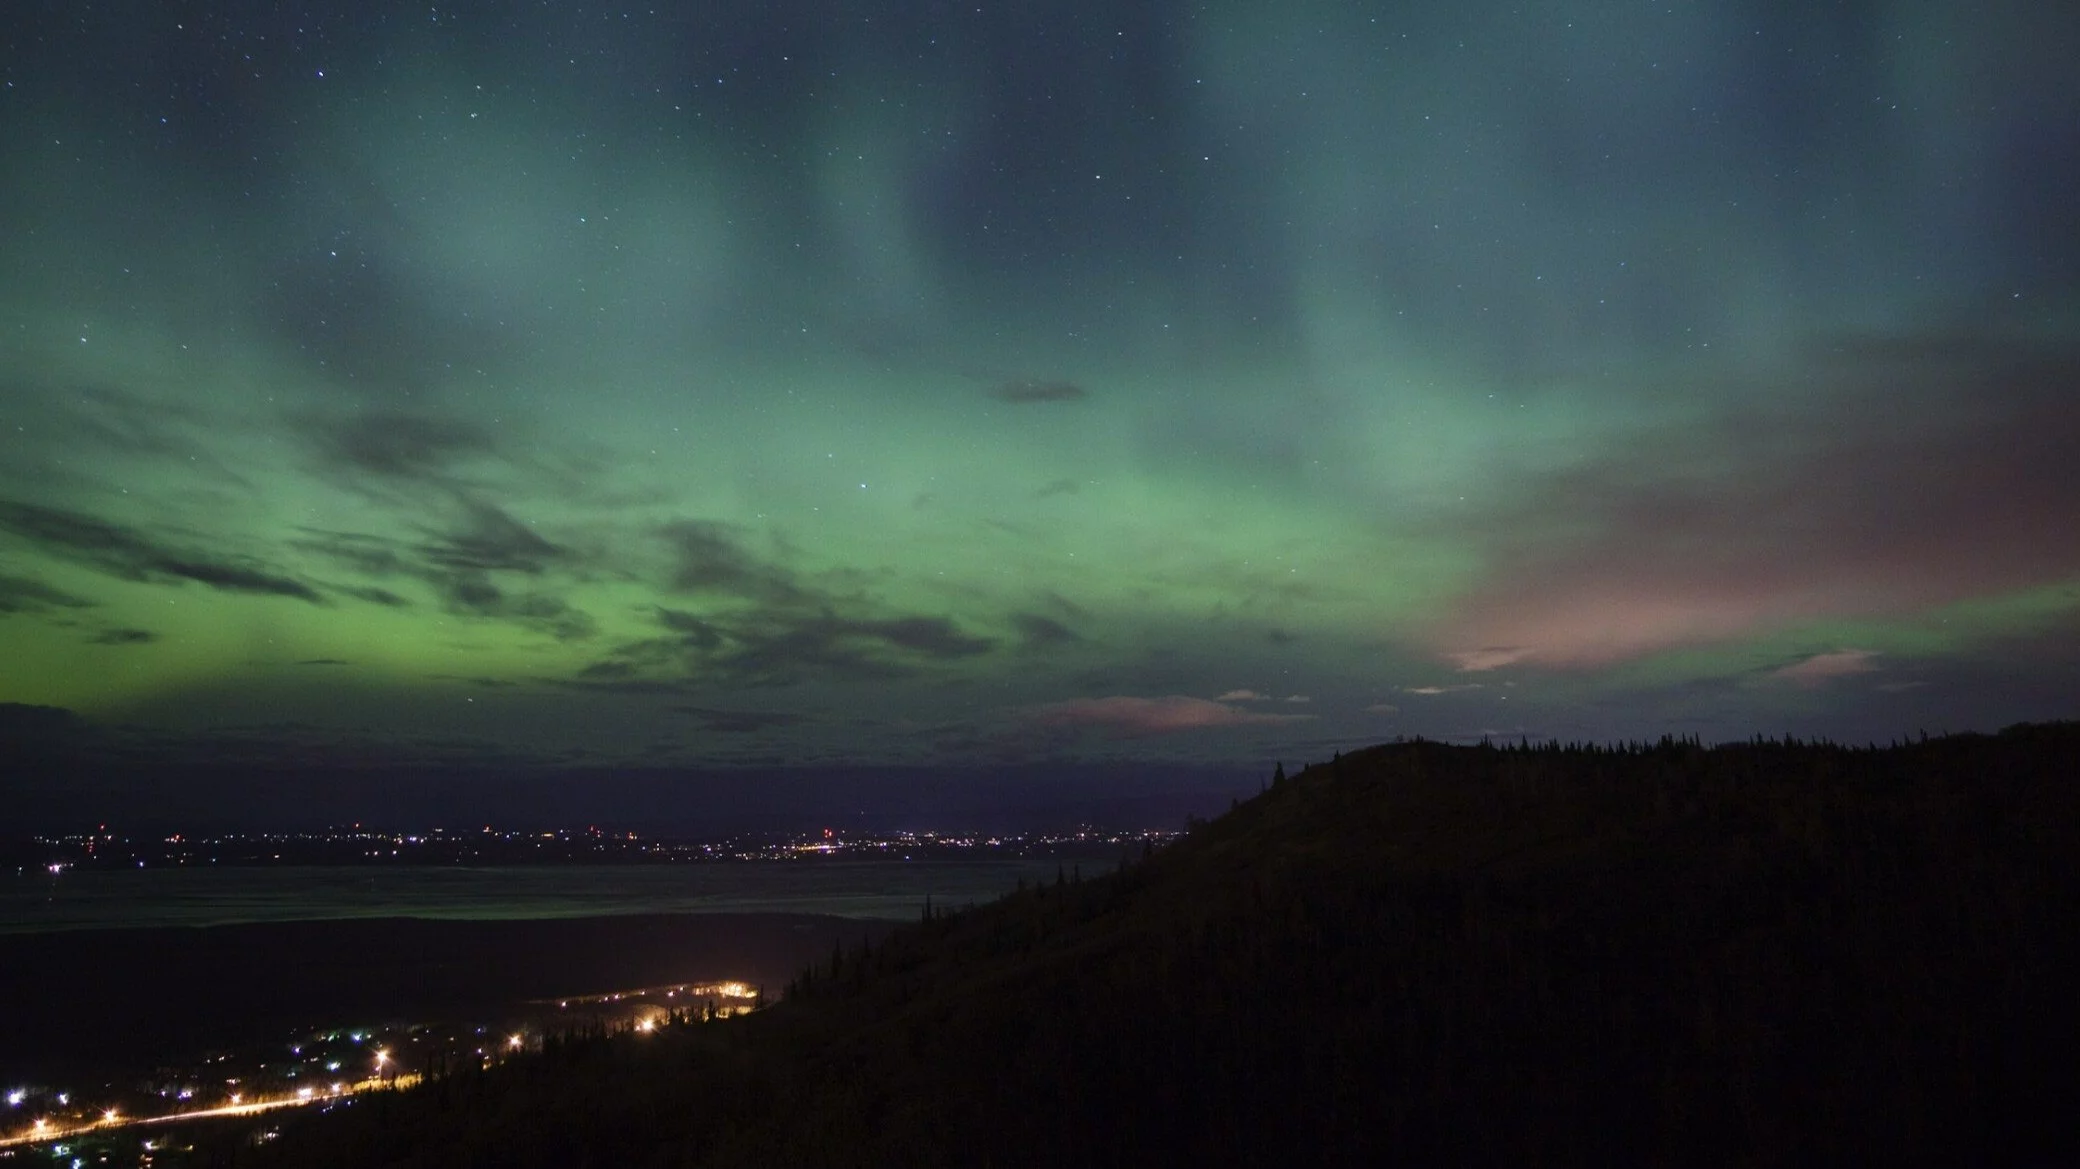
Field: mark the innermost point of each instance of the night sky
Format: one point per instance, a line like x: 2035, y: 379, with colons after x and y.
x: 864, y: 383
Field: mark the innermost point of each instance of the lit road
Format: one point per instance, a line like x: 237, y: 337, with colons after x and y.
x: 51, y: 1132
x: 652, y: 1007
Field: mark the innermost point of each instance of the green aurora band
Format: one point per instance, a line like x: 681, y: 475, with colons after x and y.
x: 1203, y: 382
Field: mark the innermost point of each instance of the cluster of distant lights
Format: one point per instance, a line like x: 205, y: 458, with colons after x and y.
x: 447, y: 836
x: 43, y: 1128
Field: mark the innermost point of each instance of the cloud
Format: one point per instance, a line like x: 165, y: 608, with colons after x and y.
x: 710, y: 559
x: 1131, y: 717
x: 125, y: 637
x: 1823, y: 668
x: 1057, y: 487
x: 766, y: 627
x: 779, y: 650
x: 1024, y: 391
x: 490, y: 540
x: 463, y: 566
x: 474, y: 595
x: 780, y: 647
x: 357, y: 551
x: 1254, y: 696
x: 395, y: 445
x: 1474, y: 661
x: 21, y: 594
x: 1435, y: 690
x: 323, y: 662
x: 612, y: 677
x: 83, y: 424
x: 128, y: 554
x: 1912, y: 473
x: 1383, y: 708
x: 480, y: 682
x: 740, y: 722
x: 1038, y: 632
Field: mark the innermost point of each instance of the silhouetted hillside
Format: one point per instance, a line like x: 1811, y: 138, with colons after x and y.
x: 1751, y: 954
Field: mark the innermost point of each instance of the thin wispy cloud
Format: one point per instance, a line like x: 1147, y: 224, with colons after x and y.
x: 1128, y: 716
x: 1823, y: 668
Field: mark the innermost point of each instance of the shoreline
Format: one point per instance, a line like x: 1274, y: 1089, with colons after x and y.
x: 886, y: 889
x: 116, y: 1000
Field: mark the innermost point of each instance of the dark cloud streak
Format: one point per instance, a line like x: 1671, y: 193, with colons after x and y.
x: 1038, y: 632
x: 127, y: 554
x: 21, y: 594
x: 395, y: 445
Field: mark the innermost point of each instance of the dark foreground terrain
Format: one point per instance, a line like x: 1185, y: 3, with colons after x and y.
x: 1420, y: 954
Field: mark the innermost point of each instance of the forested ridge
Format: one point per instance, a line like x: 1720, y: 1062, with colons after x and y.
x: 1756, y: 953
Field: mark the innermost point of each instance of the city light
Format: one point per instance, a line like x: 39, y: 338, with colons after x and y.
x: 385, y: 1069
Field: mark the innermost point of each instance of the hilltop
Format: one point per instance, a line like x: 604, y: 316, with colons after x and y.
x: 1746, y: 954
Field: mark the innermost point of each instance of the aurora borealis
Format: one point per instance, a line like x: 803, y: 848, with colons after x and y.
x: 859, y: 383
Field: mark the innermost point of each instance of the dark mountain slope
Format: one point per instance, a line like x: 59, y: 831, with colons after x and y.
x: 1749, y: 954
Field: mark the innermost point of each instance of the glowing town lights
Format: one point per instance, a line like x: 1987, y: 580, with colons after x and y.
x: 513, y: 1041
x: 109, y: 1117
x: 15, y: 1098
x: 304, y: 1093
x: 236, y: 1098
x: 40, y: 1124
